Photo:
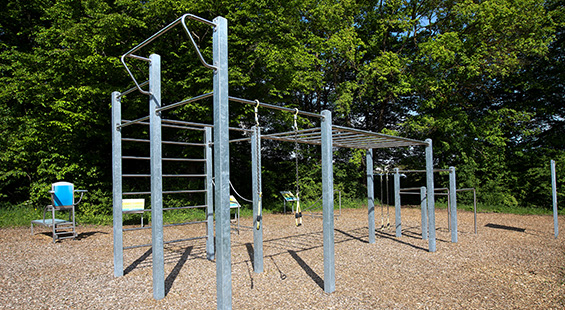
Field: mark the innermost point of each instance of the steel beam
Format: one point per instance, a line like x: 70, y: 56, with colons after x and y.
x: 210, y: 254
x: 554, y: 198
x: 221, y: 164
x: 397, y: 217
x: 430, y: 196
x: 156, y: 177
x: 117, y: 184
x: 370, y: 196
x: 424, y: 209
x: 328, y: 202
x: 453, y: 204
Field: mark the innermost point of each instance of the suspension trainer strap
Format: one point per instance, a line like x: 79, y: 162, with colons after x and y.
x: 298, y: 214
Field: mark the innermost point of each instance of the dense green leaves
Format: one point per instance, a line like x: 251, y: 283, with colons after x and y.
x: 484, y: 79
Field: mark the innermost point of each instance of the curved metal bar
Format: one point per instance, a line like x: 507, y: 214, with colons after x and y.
x: 132, y: 77
x: 204, y: 63
x: 158, y: 34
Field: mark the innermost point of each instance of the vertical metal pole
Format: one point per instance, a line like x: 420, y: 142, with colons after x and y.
x: 397, y: 218
x: 117, y: 185
x: 554, y: 196
x: 430, y: 196
x: 424, y: 207
x: 156, y: 177
x: 256, y: 185
x: 221, y: 165
x: 328, y: 202
x: 453, y: 204
x: 370, y: 196
x: 209, y: 194
x: 475, y: 207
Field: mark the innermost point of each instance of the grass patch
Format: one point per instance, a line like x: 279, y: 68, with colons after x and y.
x: 23, y: 214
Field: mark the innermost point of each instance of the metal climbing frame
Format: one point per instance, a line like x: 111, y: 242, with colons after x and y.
x: 429, y: 214
x: 156, y: 122
x: 327, y: 136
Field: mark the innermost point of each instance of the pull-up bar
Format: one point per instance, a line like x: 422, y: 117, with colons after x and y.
x: 274, y: 107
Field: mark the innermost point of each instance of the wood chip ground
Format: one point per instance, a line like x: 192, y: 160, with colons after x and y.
x: 514, y: 262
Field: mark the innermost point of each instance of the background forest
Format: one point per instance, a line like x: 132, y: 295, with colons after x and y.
x: 484, y: 79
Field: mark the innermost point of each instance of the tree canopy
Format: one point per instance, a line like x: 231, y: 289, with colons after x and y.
x: 482, y: 78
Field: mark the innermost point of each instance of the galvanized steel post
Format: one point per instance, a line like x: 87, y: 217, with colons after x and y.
x: 221, y: 164
x: 156, y: 164
x: 328, y: 202
x: 424, y: 207
x: 453, y: 204
x: 209, y: 194
x: 257, y: 188
x: 397, y: 218
x: 370, y: 196
x: 117, y: 185
x: 430, y: 196
x: 554, y: 198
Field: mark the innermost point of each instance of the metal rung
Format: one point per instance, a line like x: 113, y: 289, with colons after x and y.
x: 165, y: 142
x: 166, y: 159
x: 186, y: 223
x: 166, y: 242
x: 168, y: 225
x: 167, y: 192
x: 187, y: 207
x: 189, y: 191
x: 165, y: 175
x: 136, y: 193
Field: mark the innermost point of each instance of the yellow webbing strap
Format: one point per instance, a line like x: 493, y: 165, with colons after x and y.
x: 259, y: 216
x: 298, y: 214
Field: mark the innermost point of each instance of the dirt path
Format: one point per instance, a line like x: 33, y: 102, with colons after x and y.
x: 513, y: 262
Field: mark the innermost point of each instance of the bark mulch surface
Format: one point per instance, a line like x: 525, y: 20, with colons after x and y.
x: 514, y: 262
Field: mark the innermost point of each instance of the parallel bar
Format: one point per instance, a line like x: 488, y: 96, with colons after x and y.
x: 430, y: 196
x: 257, y: 200
x: 117, y: 185
x: 210, y: 253
x: 424, y: 211
x: 328, y: 202
x: 554, y: 198
x: 221, y: 165
x: 397, y: 217
x: 183, y: 102
x: 370, y: 196
x: 453, y: 204
x: 156, y: 180
x: 274, y: 107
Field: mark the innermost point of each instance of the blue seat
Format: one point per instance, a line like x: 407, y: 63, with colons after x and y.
x: 62, y: 199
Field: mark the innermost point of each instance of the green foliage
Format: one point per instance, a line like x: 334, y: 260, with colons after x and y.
x: 483, y: 79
